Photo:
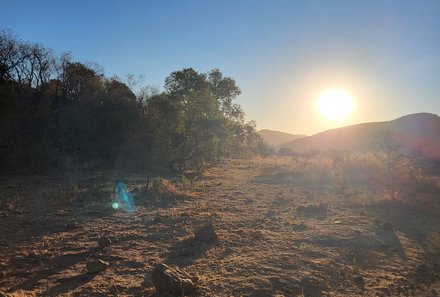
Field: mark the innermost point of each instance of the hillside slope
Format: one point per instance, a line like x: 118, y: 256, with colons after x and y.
x: 277, y: 138
x: 419, y: 133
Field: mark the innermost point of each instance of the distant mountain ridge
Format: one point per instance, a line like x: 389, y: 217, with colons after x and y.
x: 419, y: 133
x: 277, y: 138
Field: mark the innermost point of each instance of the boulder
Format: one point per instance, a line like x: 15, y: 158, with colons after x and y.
x: 95, y: 266
x: 104, y: 241
x: 172, y: 280
x: 206, y: 234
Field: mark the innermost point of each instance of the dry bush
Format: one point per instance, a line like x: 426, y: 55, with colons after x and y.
x: 320, y: 169
x: 396, y: 178
x: 66, y: 193
x: 163, y: 190
x: 83, y: 191
x: 362, y: 178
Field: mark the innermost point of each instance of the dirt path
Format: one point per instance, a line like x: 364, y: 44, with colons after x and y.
x: 266, y: 248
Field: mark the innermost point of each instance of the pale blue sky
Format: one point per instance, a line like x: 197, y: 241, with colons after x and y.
x: 281, y: 53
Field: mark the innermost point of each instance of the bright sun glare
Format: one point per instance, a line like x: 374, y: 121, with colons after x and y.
x: 335, y: 104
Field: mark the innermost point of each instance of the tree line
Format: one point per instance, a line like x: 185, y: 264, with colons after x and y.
x: 57, y: 112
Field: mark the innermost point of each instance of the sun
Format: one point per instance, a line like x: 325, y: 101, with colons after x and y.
x: 335, y: 104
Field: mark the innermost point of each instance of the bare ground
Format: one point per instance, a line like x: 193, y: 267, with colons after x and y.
x: 49, y: 228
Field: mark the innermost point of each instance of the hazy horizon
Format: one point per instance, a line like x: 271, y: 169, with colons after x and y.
x: 282, y: 55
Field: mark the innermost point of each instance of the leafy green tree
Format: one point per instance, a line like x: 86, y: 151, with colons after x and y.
x: 207, y: 124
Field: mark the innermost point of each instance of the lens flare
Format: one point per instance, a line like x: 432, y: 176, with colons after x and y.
x: 115, y: 205
x: 124, y: 197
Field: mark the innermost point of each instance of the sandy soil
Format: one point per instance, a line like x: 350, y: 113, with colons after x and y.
x: 49, y: 227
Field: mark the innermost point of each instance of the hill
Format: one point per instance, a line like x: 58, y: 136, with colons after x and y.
x: 418, y: 133
x: 277, y: 138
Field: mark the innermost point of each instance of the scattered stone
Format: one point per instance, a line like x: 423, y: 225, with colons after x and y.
x: 72, y: 225
x: 299, y: 227
x: 386, y: 226
x: 249, y: 201
x: 229, y: 250
x: 359, y: 281
x: 280, y: 200
x: 257, y: 235
x: 32, y: 255
x: 382, y: 291
x: 2, y: 275
x: 311, y: 287
x: 95, y: 266
x: 104, y: 241
x: 318, y: 211
x: 206, y: 234
x: 172, y: 280
x: 270, y: 214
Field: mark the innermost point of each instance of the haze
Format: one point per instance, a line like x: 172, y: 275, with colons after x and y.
x: 219, y: 148
x: 282, y: 54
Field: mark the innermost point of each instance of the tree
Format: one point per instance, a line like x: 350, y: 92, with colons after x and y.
x: 79, y: 82
x: 206, y: 124
x: 29, y: 64
x: 56, y: 109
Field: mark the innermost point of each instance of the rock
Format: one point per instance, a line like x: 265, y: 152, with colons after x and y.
x: 386, y: 226
x: 2, y: 275
x: 95, y: 266
x: 104, y: 241
x: 359, y: 281
x: 206, y: 234
x: 299, y: 227
x: 229, y: 250
x: 270, y: 214
x: 311, y: 287
x: 32, y: 255
x: 72, y: 225
x: 382, y: 291
x: 249, y: 200
x: 172, y: 280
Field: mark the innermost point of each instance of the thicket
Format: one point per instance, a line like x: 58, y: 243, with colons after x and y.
x: 59, y: 113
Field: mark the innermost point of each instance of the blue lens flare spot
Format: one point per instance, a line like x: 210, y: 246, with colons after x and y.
x: 124, y: 198
x: 115, y: 205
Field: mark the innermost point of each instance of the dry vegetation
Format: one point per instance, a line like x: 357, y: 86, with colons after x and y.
x: 324, y: 225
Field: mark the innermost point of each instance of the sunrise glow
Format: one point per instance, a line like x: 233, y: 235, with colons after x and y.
x: 335, y: 104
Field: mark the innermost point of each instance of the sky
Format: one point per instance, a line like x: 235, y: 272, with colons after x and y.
x: 282, y: 54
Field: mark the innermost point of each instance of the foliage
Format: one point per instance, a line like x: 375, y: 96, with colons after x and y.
x: 56, y: 112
